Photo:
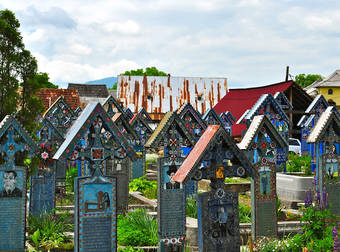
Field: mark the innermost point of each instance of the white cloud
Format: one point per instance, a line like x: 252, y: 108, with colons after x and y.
x: 248, y: 41
x: 128, y: 27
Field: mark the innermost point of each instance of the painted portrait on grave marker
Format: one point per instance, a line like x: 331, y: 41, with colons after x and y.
x: 222, y: 219
x: 169, y: 173
x: 265, y: 180
x: 11, y: 183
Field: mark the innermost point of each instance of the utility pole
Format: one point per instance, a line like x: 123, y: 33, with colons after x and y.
x: 287, y: 73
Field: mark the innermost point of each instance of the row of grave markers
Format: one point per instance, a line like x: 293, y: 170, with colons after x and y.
x: 94, y: 138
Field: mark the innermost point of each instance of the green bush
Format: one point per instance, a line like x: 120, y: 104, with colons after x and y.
x: 297, y: 163
x: 146, y: 187
x: 137, y: 229
x: 244, y: 212
x: 47, y: 231
x: 191, y: 206
x: 71, y: 174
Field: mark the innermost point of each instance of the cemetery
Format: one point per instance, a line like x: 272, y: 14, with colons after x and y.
x: 108, y: 178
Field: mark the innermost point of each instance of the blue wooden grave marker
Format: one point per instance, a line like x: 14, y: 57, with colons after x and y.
x: 260, y: 144
x: 307, y: 123
x: 268, y: 106
x: 228, y: 121
x: 141, y: 126
x: 326, y: 137
x: 61, y: 116
x: 218, y: 220
x: 14, y: 139
x: 196, y: 126
x: 170, y: 135
x: 95, y: 195
x: 43, y: 182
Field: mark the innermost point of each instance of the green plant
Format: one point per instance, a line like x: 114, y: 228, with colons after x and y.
x: 237, y: 180
x: 129, y: 249
x: 244, y: 212
x: 297, y: 163
x: 191, y: 206
x: 278, y: 207
x: 71, y: 174
x: 150, y: 158
x: 137, y: 229
x: 47, y: 230
x: 146, y: 187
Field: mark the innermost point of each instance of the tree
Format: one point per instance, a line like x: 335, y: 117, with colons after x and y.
x: 19, y: 81
x: 43, y: 80
x: 304, y: 80
x: 149, y: 71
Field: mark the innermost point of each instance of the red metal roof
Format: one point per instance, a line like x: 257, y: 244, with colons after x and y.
x: 237, y: 101
x: 195, y: 153
x: 50, y: 95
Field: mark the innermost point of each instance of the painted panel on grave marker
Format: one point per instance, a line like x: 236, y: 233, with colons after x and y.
x: 264, y: 197
x: 12, y: 208
x: 171, y: 209
x: 219, y: 221
x: 96, y: 214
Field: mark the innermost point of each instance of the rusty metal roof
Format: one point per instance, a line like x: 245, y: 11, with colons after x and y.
x: 160, y: 94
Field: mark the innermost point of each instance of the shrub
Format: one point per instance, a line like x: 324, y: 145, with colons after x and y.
x: 137, y: 229
x: 244, y: 212
x: 71, y: 174
x: 297, y: 163
x: 191, y: 206
x: 146, y: 187
x: 47, y: 230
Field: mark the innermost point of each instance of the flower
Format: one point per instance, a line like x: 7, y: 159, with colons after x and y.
x: 44, y: 155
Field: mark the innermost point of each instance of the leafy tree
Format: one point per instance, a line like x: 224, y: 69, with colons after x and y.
x: 43, y: 81
x: 149, y: 71
x: 19, y: 81
x: 304, y: 80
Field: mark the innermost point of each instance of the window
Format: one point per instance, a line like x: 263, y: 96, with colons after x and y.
x: 330, y: 91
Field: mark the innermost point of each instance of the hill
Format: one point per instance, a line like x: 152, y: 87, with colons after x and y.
x: 109, y: 81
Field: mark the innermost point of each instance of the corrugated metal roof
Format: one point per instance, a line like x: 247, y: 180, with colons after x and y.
x: 332, y: 80
x: 159, y: 94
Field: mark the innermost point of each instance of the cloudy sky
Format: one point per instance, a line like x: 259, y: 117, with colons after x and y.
x: 248, y: 41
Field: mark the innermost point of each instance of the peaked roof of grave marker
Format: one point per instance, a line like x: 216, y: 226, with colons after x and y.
x: 204, y: 145
x: 281, y: 97
x: 228, y: 116
x: 140, y: 118
x: 164, y: 125
x: 78, y: 110
x: 144, y: 113
x: 46, y: 122
x: 111, y: 101
x: 261, y: 102
x: 118, y: 117
x: 319, y: 100
x: 257, y: 123
x: 213, y: 113
x: 10, y: 120
x: 128, y: 113
x: 60, y: 100
x: 195, y: 114
x: 323, y: 124
x: 81, y: 126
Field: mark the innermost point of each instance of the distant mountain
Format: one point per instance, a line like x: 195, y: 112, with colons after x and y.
x: 109, y: 81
